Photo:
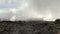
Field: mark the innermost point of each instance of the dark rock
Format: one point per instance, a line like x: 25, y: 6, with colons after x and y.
x: 22, y: 27
x: 57, y: 21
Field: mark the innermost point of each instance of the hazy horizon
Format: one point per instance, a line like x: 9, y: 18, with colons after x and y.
x: 30, y: 9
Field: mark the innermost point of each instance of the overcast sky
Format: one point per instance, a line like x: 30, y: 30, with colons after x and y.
x: 30, y: 9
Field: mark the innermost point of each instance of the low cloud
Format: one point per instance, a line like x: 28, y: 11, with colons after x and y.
x: 31, y: 9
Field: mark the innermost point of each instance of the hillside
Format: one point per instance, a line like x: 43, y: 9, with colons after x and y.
x: 29, y: 27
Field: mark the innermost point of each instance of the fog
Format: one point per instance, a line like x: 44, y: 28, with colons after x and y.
x: 30, y: 9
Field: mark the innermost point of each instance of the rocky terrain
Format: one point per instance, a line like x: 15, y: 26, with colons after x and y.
x: 29, y: 27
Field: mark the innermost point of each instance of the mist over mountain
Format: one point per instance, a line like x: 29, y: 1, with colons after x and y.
x: 30, y: 9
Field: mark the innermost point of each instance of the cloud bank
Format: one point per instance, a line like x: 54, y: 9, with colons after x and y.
x: 30, y: 9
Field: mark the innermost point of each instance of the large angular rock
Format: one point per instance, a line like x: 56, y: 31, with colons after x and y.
x: 57, y: 21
